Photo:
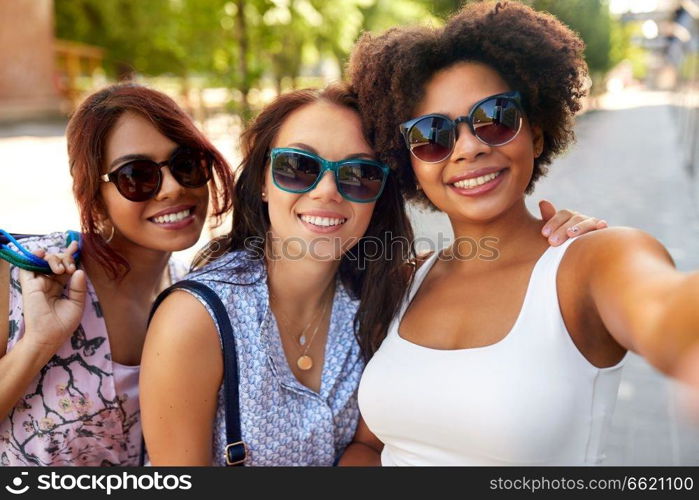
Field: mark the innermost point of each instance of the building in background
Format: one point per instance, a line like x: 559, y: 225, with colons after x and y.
x: 27, y: 68
x: 40, y: 77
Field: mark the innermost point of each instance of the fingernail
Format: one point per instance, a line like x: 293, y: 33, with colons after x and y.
x: 574, y: 229
x: 547, y: 231
x: 555, y: 239
x: 71, y: 267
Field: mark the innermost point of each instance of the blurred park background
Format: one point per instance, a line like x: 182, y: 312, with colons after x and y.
x: 636, y: 161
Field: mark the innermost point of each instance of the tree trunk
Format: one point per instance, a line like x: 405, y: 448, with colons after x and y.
x: 243, y: 58
x: 278, y: 84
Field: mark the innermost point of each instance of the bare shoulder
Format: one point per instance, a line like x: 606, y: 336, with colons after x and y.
x: 615, y: 245
x: 181, y: 338
x: 181, y: 322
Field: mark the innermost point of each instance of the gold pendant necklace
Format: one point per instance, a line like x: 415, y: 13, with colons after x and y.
x: 305, y: 361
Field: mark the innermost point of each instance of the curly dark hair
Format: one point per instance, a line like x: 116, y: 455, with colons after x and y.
x: 532, y: 51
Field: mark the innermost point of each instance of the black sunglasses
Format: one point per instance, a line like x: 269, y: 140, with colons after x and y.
x: 140, y: 179
x: 495, y: 121
x: 357, y: 179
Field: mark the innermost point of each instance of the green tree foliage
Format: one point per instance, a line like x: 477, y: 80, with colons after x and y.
x: 241, y: 44
x: 592, y: 21
x: 606, y: 43
x: 151, y: 37
x: 184, y: 36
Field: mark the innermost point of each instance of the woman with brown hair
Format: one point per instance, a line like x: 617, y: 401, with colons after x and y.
x: 519, y: 357
x: 142, y: 178
x: 295, y: 279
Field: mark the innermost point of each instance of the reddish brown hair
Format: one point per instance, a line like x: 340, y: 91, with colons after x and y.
x: 87, y: 132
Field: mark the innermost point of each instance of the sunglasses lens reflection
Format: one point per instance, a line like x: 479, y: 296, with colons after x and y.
x: 295, y: 172
x: 138, y: 180
x: 432, y: 138
x: 357, y: 180
x: 360, y: 181
x: 191, y: 168
x: 497, y: 121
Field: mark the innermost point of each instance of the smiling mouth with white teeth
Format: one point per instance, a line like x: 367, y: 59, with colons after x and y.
x: 477, y: 181
x: 173, y: 217
x: 322, y: 221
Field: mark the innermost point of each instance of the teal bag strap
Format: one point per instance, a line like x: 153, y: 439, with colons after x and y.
x: 24, y: 259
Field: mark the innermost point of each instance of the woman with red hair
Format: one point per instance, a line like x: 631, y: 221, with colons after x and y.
x: 69, y: 388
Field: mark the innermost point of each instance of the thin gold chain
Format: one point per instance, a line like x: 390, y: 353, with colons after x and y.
x: 303, y: 348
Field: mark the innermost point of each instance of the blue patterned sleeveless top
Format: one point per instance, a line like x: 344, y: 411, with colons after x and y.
x: 282, y: 421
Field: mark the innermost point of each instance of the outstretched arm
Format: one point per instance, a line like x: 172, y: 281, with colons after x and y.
x: 181, y: 372
x: 645, y: 303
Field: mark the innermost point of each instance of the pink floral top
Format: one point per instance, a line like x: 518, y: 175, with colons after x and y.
x: 75, y: 411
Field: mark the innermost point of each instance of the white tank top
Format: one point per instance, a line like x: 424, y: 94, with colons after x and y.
x: 531, y: 399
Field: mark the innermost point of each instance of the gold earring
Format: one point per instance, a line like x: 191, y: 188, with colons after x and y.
x: 101, y: 231
x: 110, y: 236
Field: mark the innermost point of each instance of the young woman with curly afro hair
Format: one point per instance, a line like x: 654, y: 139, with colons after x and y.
x: 513, y: 358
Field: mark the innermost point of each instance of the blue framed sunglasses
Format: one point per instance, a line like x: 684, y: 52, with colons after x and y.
x: 357, y: 179
x: 495, y: 121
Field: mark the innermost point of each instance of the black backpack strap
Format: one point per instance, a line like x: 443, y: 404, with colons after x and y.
x: 236, y: 450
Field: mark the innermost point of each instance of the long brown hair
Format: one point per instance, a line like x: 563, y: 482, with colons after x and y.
x: 86, y: 134
x: 378, y: 283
